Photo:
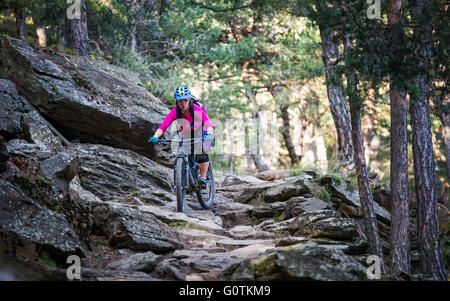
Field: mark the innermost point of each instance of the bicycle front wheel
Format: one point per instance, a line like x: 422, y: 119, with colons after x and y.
x: 206, y: 196
x: 180, y: 180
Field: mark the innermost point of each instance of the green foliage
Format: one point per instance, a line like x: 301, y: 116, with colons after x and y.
x: 324, y: 195
x: 445, y: 247
x: 47, y: 261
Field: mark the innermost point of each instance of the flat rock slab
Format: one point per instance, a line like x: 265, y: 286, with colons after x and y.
x: 233, y: 243
x: 247, y: 232
x: 238, y: 180
x: 179, y: 219
x: 144, y: 262
x: 114, y: 275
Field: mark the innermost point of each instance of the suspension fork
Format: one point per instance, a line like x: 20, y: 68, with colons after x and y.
x: 187, y: 173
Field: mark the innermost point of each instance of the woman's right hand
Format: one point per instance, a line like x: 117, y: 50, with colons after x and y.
x: 153, y: 139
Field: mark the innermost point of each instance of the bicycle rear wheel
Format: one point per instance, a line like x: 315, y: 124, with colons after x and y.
x: 180, y: 180
x: 206, y: 196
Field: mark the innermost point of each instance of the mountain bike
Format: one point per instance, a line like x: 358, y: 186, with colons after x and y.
x: 187, y: 173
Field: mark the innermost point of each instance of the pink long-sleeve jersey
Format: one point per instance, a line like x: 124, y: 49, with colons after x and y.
x: 200, y: 118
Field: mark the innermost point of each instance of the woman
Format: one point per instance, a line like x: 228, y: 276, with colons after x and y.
x: 197, y: 120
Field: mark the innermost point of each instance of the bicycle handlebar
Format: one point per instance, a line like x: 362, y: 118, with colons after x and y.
x: 169, y: 141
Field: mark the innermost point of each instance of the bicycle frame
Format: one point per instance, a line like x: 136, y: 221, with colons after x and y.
x: 185, y: 158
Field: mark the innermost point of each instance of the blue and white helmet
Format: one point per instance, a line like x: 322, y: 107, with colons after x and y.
x: 182, y: 92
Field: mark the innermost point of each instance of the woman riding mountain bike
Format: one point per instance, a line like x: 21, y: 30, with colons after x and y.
x: 195, y: 124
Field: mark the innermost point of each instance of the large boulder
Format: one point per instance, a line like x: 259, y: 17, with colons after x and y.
x: 33, y: 227
x: 297, y: 205
x: 320, y: 224
x: 268, y: 192
x: 116, y: 174
x: 340, y: 192
x: 127, y: 227
x: 85, y: 98
x: 285, y: 189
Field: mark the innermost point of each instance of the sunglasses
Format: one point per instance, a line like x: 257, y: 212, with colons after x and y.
x: 183, y: 100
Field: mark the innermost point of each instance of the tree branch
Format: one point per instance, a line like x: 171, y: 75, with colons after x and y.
x: 219, y: 10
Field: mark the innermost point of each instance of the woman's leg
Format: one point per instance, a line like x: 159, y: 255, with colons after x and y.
x: 203, y: 169
x: 203, y: 164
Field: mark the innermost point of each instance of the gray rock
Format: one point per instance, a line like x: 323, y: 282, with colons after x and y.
x: 29, y: 220
x: 323, y: 224
x: 270, y: 192
x: 285, y: 189
x: 19, y: 119
x: 232, y: 213
x: 284, y: 265
x: 248, y: 232
x: 116, y: 174
x: 95, y: 101
x: 61, y: 169
x: 334, y: 254
x: 12, y: 106
x: 340, y: 191
x: 268, y: 210
x: 237, y: 180
x: 20, y: 147
x: 271, y: 175
x: 177, y: 218
x: 297, y: 205
x: 170, y: 269
x: 127, y: 227
x: 4, y: 156
x: 88, y: 274
x: 144, y: 262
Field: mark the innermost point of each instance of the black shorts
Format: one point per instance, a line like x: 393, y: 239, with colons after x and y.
x: 201, y: 158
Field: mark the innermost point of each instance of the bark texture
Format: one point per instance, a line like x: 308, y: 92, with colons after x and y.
x: 431, y: 261
x: 338, y: 107
x: 365, y: 194
x: 20, y: 23
x: 400, y: 243
x: 77, y: 32
x: 399, y: 184
x: 286, y: 132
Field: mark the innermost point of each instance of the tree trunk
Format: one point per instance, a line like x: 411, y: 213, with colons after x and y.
x: 133, y: 35
x: 399, y: 161
x: 431, y: 261
x: 338, y: 107
x: 255, y: 115
x: 42, y: 36
x: 20, y: 23
x: 249, y: 162
x: 365, y: 193
x: 364, y: 189
x: 77, y: 32
x: 399, y: 183
x: 445, y: 119
x: 444, y: 116
x: 286, y: 132
x: 61, y: 33
x: 259, y: 162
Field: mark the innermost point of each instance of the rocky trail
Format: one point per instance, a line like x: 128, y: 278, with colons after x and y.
x: 78, y: 178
